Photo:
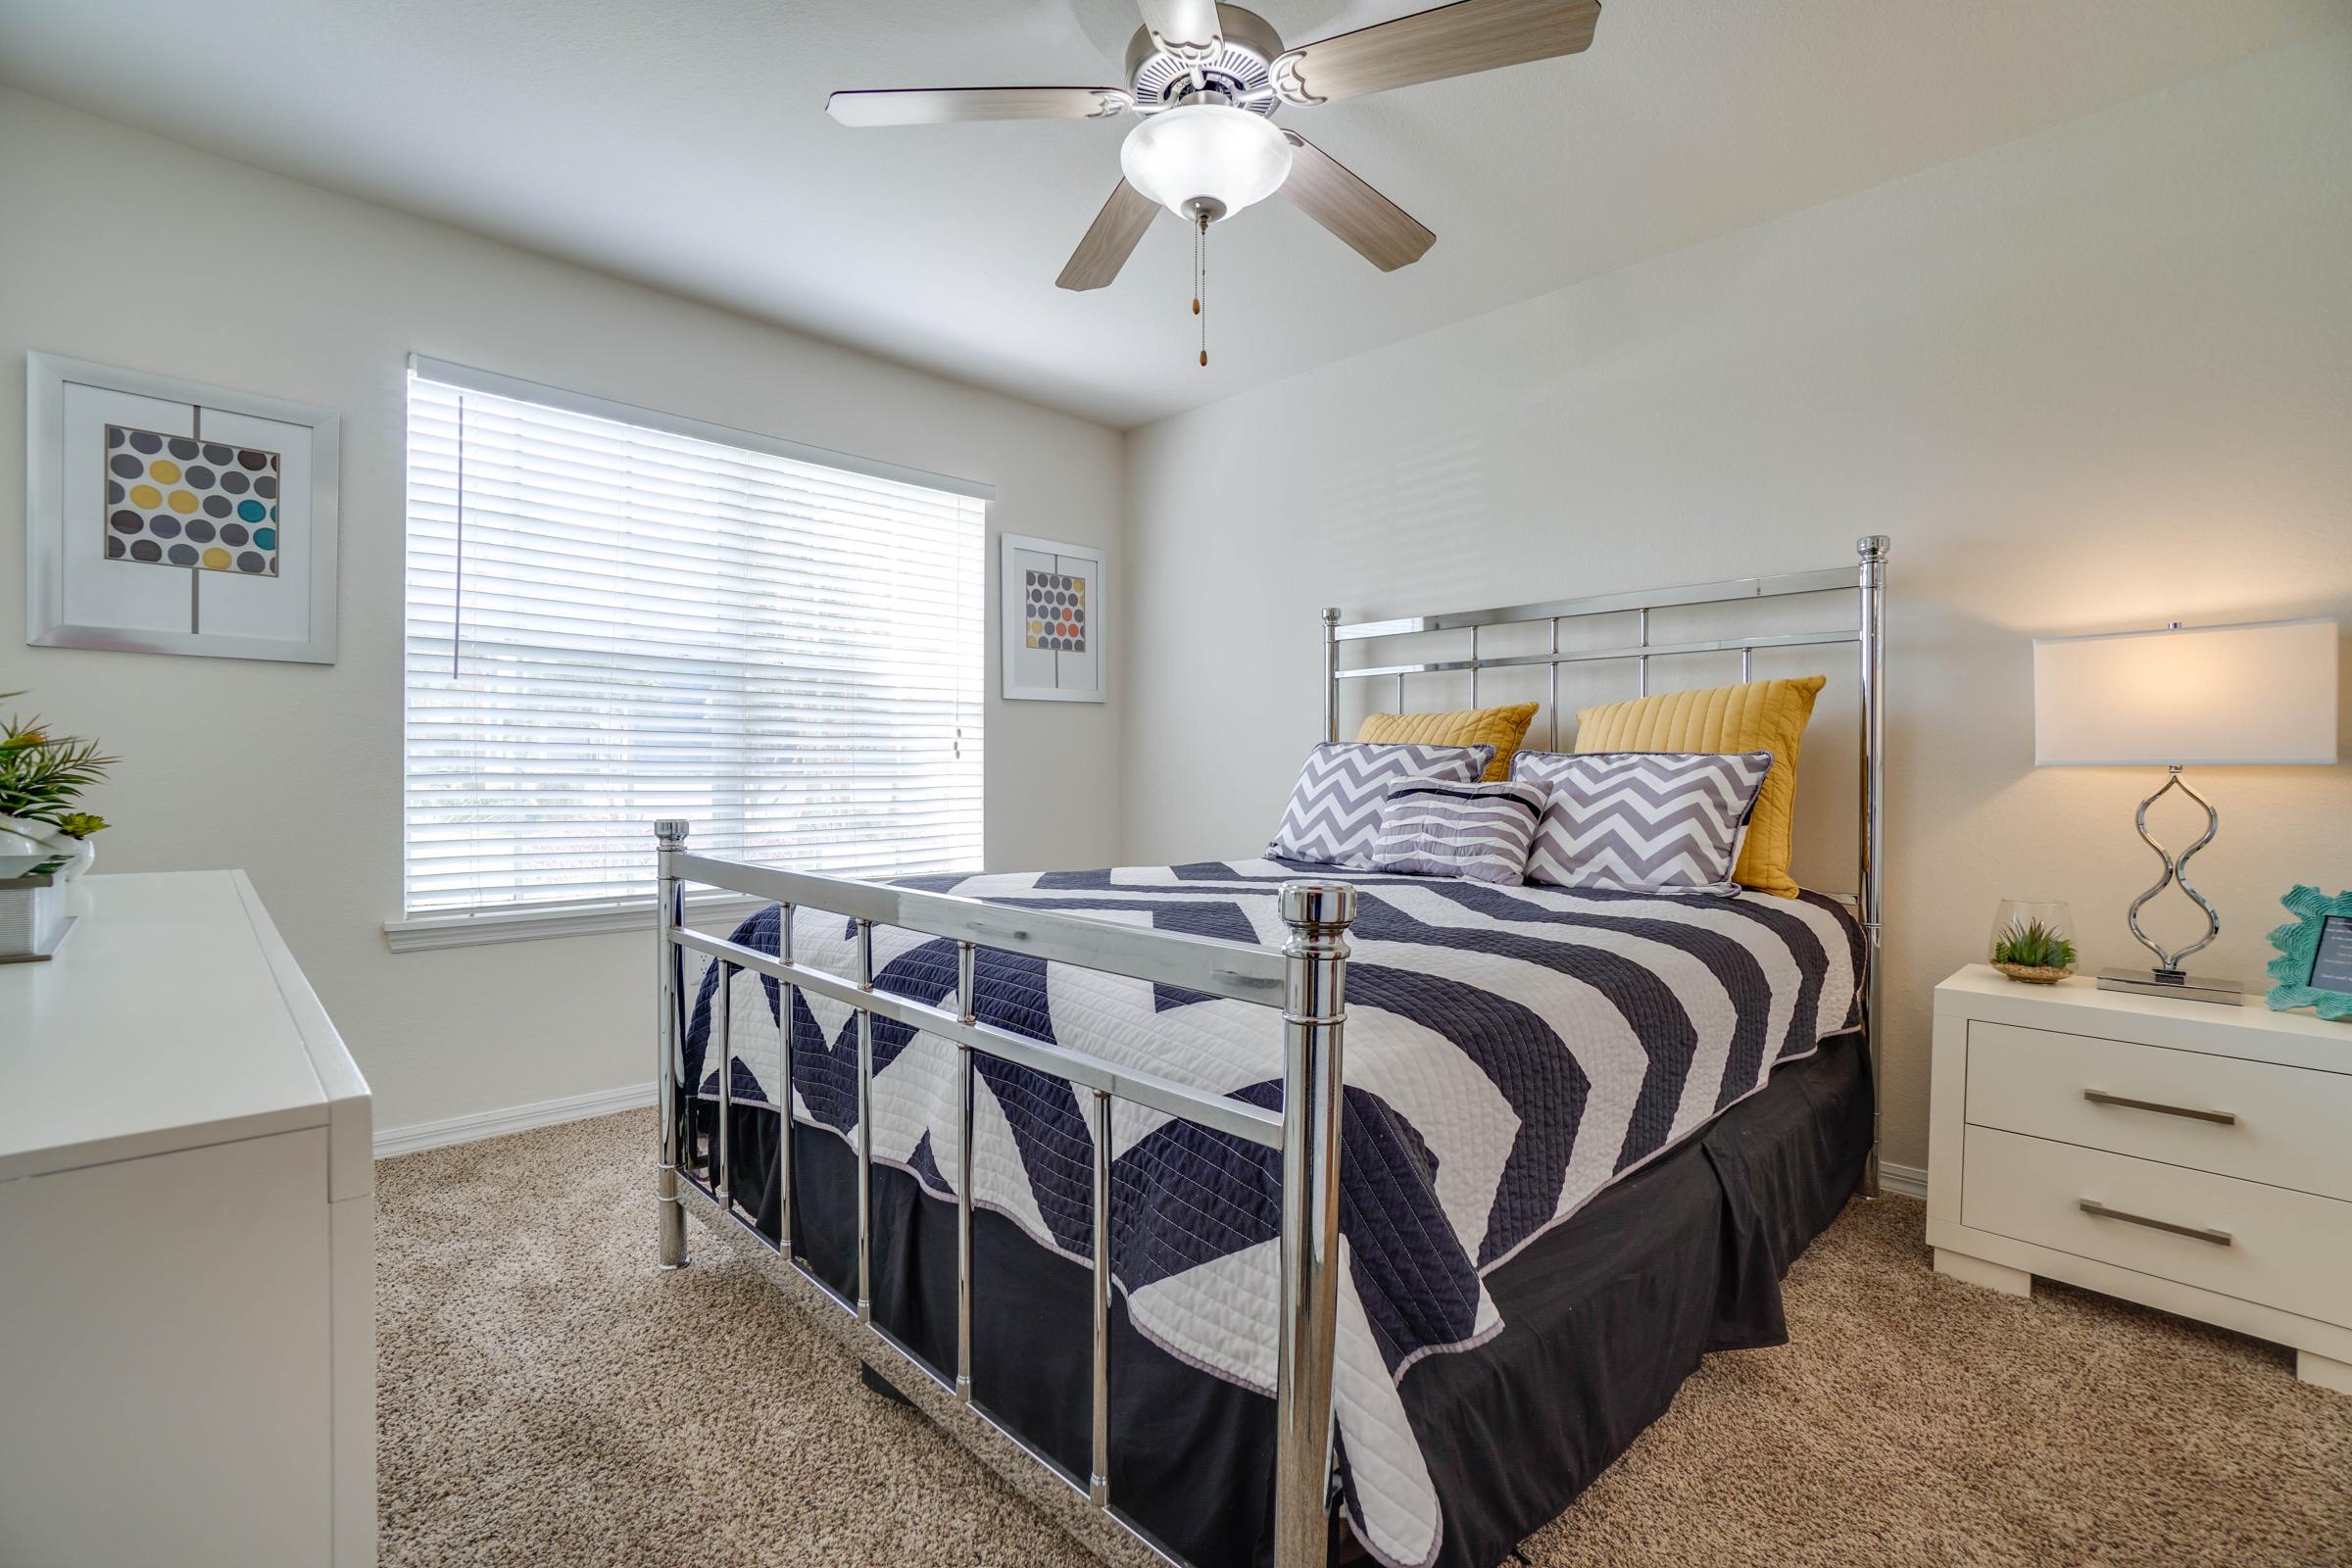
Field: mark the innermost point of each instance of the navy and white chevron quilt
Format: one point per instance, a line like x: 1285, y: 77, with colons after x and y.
x: 1511, y: 1051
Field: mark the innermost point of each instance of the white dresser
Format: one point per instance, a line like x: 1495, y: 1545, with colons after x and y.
x: 2191, y: 1156
x: 187, y: 1236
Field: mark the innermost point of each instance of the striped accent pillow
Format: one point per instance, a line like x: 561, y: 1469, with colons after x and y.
x: 1473, y: 831
x: 1335, y: 807
x: 1642, y: 821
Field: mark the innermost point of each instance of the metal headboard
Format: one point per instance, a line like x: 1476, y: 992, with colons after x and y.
x: 1868, y: 632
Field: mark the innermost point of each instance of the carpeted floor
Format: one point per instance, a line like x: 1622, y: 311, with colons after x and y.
x: 536, y: 1408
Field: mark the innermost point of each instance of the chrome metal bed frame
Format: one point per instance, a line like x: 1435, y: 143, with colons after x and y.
x: 1306, y: 980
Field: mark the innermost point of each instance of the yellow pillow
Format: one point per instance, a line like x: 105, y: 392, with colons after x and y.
x: 1760, y: 715
x: 1502, y: 728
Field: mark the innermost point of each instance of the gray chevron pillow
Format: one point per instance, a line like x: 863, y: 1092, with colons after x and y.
x: 1642, y: 821
x: 1473, y: 831
x: 1334, y: 810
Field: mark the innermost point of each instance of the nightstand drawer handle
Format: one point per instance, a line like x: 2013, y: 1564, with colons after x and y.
x: 2100, y: 1097
x: 2099, y: 1210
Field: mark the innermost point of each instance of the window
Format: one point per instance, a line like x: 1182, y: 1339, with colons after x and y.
x: 615, y: 616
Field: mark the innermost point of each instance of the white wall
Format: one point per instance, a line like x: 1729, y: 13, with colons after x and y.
x: 2094, y: 379
x: 127, y: 250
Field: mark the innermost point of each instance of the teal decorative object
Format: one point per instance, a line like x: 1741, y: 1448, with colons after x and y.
x: 2314, y: 966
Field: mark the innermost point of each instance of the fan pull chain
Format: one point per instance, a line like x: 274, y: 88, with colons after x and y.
x: 1198, y: 237
x: 1201, y: 283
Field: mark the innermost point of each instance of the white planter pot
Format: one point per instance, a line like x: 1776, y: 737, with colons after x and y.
x: 22, y: 836
x: 30, y: 920
x: 33, y: 918
x: 77, y: 892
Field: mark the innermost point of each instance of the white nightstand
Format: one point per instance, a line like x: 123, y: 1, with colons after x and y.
x: 2194, y: 1157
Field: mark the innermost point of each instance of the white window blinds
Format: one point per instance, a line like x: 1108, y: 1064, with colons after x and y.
x: 614, y: 616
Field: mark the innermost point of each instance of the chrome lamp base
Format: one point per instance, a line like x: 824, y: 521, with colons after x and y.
x: 2173, y: 983
x: 2167, y: 979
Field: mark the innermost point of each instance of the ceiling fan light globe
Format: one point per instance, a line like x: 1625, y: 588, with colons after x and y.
x: 1205, y: 157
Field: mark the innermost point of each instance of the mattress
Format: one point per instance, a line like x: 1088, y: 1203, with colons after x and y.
x: 1512, y: 1053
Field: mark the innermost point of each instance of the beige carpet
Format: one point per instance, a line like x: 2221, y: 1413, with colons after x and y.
x: 539, y: 1407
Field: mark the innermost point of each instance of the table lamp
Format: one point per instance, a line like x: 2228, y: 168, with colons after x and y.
x: 2256, y: 692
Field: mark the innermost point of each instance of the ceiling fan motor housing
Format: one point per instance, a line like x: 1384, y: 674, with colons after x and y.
x: 1243, y: 70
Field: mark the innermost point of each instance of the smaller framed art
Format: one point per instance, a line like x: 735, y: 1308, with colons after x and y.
x: 1050, y: 606
x: 166, y: 516
x: 2314, y: 966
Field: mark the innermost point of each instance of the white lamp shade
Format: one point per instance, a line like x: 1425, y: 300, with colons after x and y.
x: 1205, y: 152
x: 2261, y: 692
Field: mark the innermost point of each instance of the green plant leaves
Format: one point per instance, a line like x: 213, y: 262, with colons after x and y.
x: 41, y: 775
x: 2032, y: 944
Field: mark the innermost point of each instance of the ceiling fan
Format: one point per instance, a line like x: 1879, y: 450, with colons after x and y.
x: 1207, y: 79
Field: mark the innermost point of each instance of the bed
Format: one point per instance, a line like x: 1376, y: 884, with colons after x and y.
x: 1281, y: 1213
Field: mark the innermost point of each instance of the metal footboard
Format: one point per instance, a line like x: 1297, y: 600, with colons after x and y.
x: 1305, y: 980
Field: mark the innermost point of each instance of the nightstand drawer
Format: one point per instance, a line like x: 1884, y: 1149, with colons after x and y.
x: 2284, y: 1126
x: 2284, y: 1248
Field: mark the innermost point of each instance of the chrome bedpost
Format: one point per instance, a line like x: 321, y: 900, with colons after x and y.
x: 966, y: 1005
x: 669, y: 834
x: 787, y: 994
x: 722, y: 1035
x: 1314, y: 1018
x: 1551, y: 698
x: 1873, y: 549
x: 865, y: 1127
x: 1098, y: 1482
x: 1331, y: 674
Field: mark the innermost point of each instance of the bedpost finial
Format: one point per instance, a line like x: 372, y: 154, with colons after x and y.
x: 1873, y: 546
x: 1318, y: 906
x: 672, y: 831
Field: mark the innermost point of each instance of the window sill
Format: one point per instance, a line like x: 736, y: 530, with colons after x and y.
x: 425, y: 933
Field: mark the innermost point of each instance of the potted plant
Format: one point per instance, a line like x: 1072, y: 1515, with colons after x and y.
x: 41, y: 778
x: 2032, y: 941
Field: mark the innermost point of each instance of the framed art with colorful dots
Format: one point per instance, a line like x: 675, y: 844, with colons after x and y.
x: 165, y: 516
x: 1051, y: 599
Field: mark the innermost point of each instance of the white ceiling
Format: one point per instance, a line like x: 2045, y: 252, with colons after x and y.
x: 686, y: 145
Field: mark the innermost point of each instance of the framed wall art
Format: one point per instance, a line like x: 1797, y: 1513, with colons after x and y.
x: 166, y: 516
x: 1052, y: 607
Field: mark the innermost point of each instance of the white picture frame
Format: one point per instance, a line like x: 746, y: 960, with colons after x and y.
x: 221, y: 599
x: 1056, y: 654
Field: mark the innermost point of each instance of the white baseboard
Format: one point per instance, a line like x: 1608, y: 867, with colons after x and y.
x: 513, y: 1119
x: 1904, y: 1181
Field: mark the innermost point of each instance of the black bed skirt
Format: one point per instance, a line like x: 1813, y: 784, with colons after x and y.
x: 1603, y: 1317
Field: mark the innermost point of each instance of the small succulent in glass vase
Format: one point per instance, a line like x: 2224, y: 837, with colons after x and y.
x: 2034, y: 941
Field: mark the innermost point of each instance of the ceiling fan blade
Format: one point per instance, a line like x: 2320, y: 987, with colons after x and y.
x: 939, y: 106
x: 1455, y: 40
x: 1110, y: 240
x: 1381, y: 232
x: 1189, y: 29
